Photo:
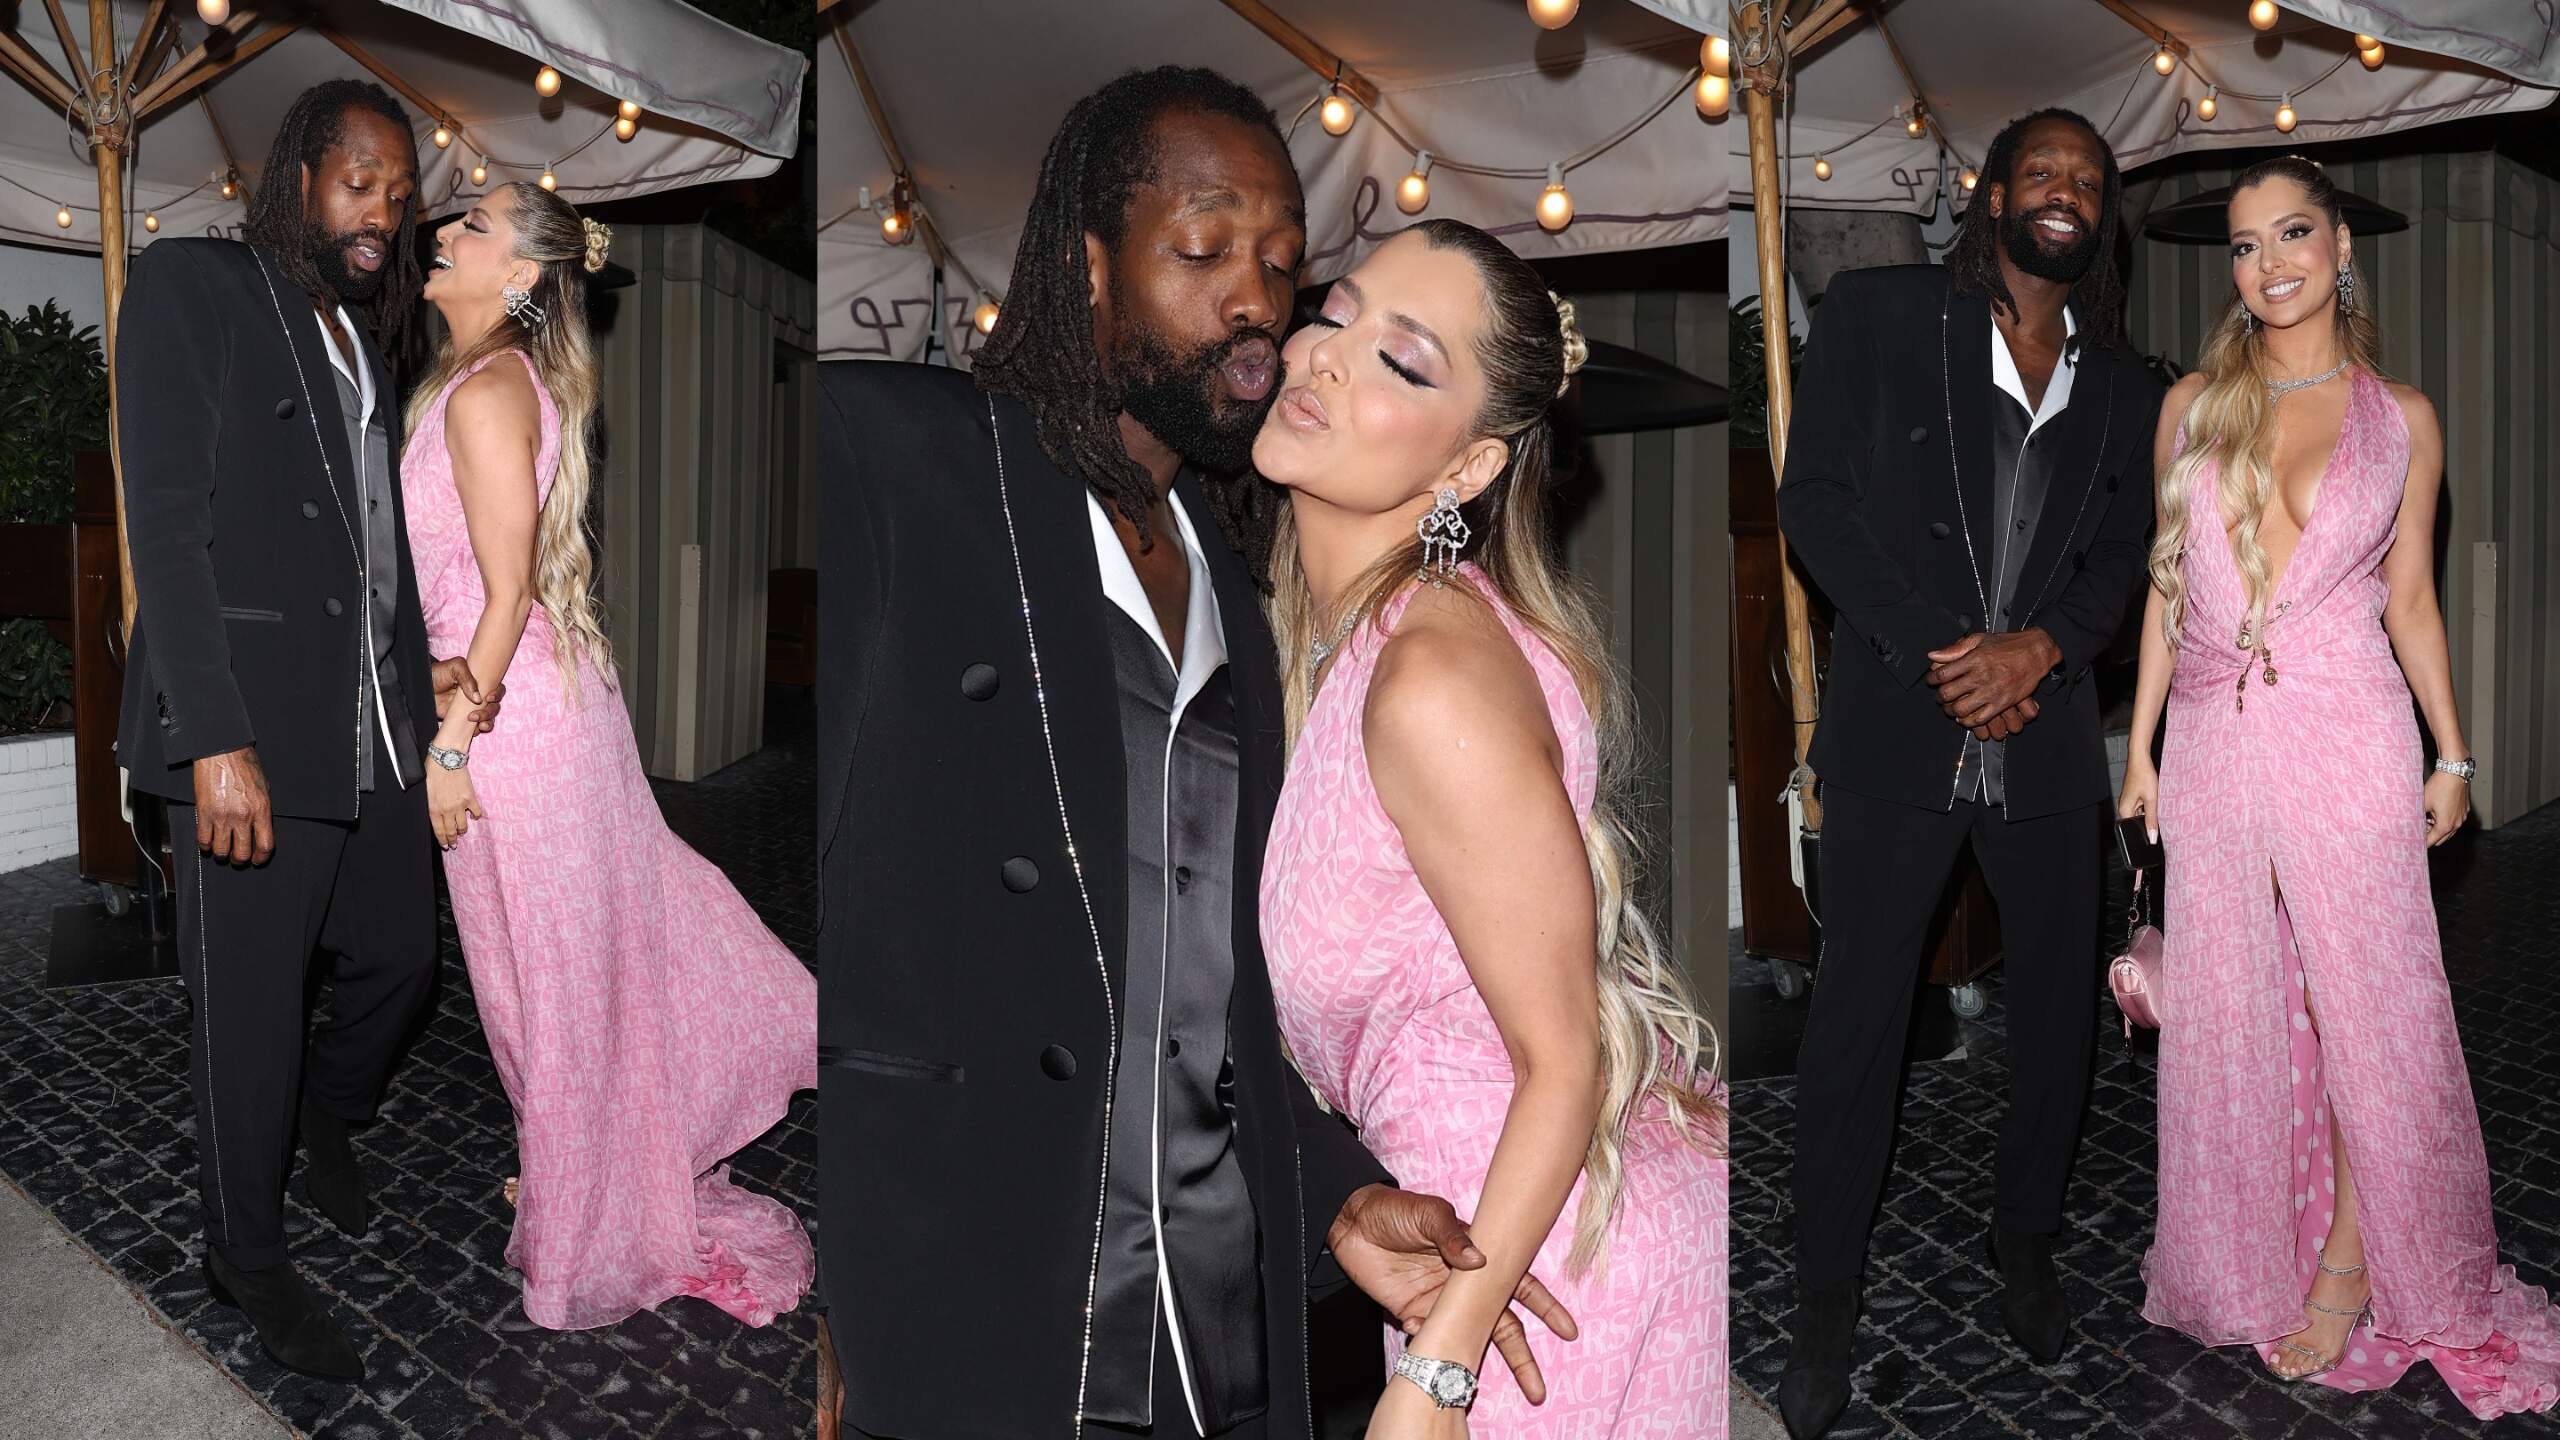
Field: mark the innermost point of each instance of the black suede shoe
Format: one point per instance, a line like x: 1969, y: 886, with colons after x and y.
x: 1815, y: 1386
x: 331, y: 1176
x: 291, y: 1319
x: 2031, y: 1303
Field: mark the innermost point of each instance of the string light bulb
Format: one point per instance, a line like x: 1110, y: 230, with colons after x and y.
x: 1969, y: 179
x: 985, y: 319
x: 1336, y: 113
x: 230, y: 186
x: 630, y: 109
x: 549, y: 181
x: 898, y: 221
x: 546, y: 82
x: 1715, y: 56
x: 2207, y: 107
x: 2285, y: 118
x: 1553, y: 14
x: 624, y: 127
x: 1414, y: 191
x: 443, y: 136
x: 1915, y: 126
x: 1715, y: 95
x: 1555, y: 203
x: 213, y: 12
x: 151, y: 221
x: 2262, y: 14
x: 2165, y: 61
x: 2371, y: 55
x: 1821, y: 168
x: 62, y: 217
x: 2367, y: 42
x: 480, y: 172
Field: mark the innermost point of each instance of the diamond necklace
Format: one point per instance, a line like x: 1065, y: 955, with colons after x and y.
x: 2276, y: 388
x: 1323, y: 650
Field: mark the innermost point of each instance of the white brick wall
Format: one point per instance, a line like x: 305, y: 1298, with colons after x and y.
x: 37, y: 816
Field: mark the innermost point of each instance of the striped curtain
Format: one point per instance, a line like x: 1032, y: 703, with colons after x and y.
x: 1645, y: 527
x: 700, y: 359
x: 2468, y: 297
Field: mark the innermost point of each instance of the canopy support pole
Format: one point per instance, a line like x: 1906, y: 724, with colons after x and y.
x: 1314, y: 56
x: 1762, y: 52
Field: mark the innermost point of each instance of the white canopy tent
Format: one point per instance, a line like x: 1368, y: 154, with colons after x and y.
x: 1472, y: 81
x: 1977, y: 63
x: 715, y: 103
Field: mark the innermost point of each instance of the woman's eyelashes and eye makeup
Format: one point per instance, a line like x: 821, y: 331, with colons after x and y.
x: 2289, y: 234
x: 1403, y: 371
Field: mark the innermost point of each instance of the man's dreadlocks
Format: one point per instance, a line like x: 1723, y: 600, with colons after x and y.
x: 1043, y: 351
x: 2097, y: 300
x: 280, y: 220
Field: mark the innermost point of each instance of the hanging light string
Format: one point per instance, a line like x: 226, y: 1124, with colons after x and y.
x: 2185, y: 59
x: 1443, y: 161
x: 76, y: 125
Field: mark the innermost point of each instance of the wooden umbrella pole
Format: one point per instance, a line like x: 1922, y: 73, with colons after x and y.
x: 110, y: 131
x: 1760, y: 109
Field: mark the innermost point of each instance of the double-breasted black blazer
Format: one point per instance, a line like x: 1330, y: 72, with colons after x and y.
x: 966, y: 1024
x: 1876, y: 502
x: 242, y: 509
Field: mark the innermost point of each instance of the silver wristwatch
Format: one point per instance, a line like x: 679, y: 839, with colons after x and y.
x: 2463, y: 768
x: 1450, y: 1385
x: 449, y: 759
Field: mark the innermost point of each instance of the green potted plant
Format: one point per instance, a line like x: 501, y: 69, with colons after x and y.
x: 53, y: 403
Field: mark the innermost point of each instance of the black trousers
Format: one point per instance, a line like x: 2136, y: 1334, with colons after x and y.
x: 365, y: 893
x: 1172, y: 1410
x: 1885, y: 868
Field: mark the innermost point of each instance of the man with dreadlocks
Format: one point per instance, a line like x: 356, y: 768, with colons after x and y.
x: 1966, y: 482
x: 1068, y: 1183
x: 279, y: 680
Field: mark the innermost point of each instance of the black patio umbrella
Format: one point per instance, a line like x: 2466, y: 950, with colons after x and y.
x: 2198, y: 219
x: 1624, y: 390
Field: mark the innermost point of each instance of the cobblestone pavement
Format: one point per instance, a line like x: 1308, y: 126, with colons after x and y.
x: 1933, y: 1362
x: 96, y: 1126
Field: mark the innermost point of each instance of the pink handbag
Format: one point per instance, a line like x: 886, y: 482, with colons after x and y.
x: 2134, y: 976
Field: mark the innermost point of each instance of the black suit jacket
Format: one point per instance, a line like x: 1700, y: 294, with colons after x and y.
x: 247, y: 552
x: 1870, y: 506
x: 966, y: 1030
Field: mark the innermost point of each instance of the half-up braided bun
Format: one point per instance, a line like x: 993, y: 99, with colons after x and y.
x: 599, y: 244
x: 1576, y: 349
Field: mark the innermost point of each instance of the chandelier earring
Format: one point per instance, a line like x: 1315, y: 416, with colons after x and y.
x: 520, y: 305
x: 1444, y: 533
x: 2346, y: 288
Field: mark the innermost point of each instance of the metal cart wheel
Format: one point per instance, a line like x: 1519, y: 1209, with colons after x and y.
x: 1968, y: 1001
x: 1793, y: 980
x: 117, y: 899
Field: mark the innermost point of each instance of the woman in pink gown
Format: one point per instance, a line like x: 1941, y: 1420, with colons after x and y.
x: 645, y: 1023
x: 2307, y: 1020
x: 1458, y: 966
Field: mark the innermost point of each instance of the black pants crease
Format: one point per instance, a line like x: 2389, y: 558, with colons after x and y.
x: 1884, y: 870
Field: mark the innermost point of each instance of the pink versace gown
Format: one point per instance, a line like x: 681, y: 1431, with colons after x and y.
x: 2319, y: 776
x: 645, y: 1023
x: 1386, y: 1025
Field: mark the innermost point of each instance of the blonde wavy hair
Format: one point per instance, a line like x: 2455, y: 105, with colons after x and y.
x: 1657, y: 1047
x: 550, y: 232
x: 2231, y: 424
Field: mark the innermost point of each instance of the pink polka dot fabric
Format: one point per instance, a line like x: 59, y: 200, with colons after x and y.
x: 645, y: 1023
x: 2318, y: 779
x: 1385, y: 1023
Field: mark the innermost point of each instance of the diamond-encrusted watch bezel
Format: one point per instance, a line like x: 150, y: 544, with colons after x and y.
x: 1449, y: 1386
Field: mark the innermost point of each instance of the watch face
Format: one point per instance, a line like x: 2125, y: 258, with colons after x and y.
x: 1449, y: 1386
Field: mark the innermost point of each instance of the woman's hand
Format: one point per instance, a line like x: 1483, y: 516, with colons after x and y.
x: 2448, y: 805
x: 451, y: 804
x: 2141, y: 794
x: 1405, y: 1413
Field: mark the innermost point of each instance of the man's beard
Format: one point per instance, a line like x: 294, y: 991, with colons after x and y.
x: 2018, y: 238
x: 328, y: 256
x: 1182, y: 399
